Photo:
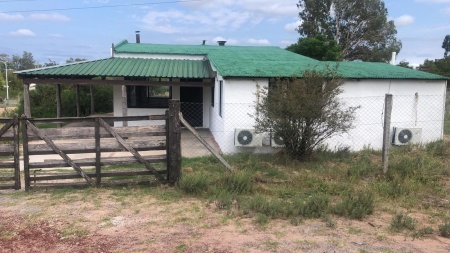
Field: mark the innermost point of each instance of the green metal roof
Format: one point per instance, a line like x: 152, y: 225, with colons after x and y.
x: 379, y: 70
x: 127, y: 67
x: 233, y: 61
x: 247, y: 61
x: 229, y: 61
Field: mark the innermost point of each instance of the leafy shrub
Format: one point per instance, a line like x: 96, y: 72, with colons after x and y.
x: 315, y: 206
x: 355, y: 205
x: 402, y: 222
x: 274, y: 208
x: 444, y: 230
x: 194, y: 183
x: 238, y: 182
x: 224, y: 200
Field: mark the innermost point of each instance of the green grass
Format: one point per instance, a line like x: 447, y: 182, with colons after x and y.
x: 331, y: 184
x: 338, y: 183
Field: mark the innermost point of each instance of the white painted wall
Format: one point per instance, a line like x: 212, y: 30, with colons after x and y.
x: 426, y: 111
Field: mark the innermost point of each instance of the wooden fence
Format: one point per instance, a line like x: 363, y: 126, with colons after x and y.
x: 94, y: 154
x: 9, y: 154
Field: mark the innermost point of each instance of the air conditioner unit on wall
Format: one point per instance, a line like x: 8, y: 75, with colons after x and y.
x: 405, y: 136
x: 276, y: 140
x: 247, y: 138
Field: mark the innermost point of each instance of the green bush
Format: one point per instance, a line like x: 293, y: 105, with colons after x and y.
x: 402, y: 222
x: 239, y: 182
x: 194, y: 183
x: 274, y: 208
x: 444, y: 230
x: 224, y: 200
x: 355, y: 205
x: 43, y: 101
x: 315, y: 206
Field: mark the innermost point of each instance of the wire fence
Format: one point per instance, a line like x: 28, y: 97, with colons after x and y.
x: 229, y: 128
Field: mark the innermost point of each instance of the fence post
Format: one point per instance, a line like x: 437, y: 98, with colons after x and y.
x: 26, y: 158
x: 174, y: 143
x: 98, y: 166
x: 26, y: 100
x: 16, y: 153
x: 387, y: 131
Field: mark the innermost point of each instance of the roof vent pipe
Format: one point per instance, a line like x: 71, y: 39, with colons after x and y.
x: 204, y: 42
x: 394, y: 55
x: 138, y: 37
x: 112, y: 50
x: 222, y: 42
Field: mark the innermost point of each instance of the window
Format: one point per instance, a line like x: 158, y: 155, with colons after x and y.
x: 212, y: 95
x: 220, y: 97
x: 148, y: 96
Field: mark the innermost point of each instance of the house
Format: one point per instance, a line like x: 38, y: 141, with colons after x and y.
x: 217, y: 85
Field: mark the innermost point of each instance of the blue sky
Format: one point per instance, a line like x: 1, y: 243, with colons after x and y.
x: 88, y: 33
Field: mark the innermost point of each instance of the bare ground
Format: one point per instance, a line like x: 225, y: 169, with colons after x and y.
x: 161, y: 220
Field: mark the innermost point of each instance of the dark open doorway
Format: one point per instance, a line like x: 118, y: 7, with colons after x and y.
x: 192, y: 105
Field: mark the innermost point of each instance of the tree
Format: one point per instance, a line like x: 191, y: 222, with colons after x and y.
x: 360, y: 27
x: 404, y: 64
x: 26, y: 61
x: 446, y: 45
x: 304, y: 111
x: 318, y: 48
x: 72, y: 60
x: 438, y: 66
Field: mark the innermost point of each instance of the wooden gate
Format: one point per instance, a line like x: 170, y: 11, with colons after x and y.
x: 97, y: 154
x: 9, y: 154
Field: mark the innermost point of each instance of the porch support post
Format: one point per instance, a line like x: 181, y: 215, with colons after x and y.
x: 124, y: 104
x: 58, y: 103
x: 77, y: 100
x: 26, y: 100
x: 91, y: 90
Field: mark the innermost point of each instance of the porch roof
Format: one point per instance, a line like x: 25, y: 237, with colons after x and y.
x: 124, y: 67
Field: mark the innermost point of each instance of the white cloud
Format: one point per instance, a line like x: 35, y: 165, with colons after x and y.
x: 49, y: 17
x: 176, y: 21
x: 229, y: 40
x: 446, y: 11
x: 8, y: 17
x: 287, y: 42
x: 404, y: 20
x: 267, y: 7
x: 23, y: 33
x: 55, y: 35
x: 258, y: 41
x: 292, y: 26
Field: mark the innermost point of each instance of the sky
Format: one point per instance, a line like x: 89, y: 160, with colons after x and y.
x: 56, y: 30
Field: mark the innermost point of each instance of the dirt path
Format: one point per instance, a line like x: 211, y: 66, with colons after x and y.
x: 161, y: 220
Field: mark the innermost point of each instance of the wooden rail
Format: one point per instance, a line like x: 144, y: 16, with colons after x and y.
x: 107, y: 153
x: 9, y: 154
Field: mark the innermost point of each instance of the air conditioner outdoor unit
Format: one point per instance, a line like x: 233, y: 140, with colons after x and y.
x: 405, y: 136
x: 276, y: 140
x: 247, y: 138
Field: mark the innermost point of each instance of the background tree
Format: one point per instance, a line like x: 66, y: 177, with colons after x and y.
x: 304, y: 112
x: 72, y: 60
x: 26, y: 61
x: 360, y: 27
x: 405, y: 64
x: 437, y: 66
x: 446, y: 45
x: 318, y: 48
